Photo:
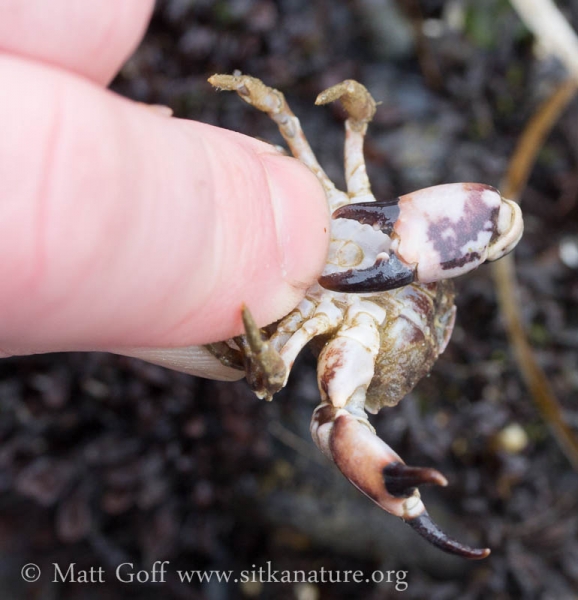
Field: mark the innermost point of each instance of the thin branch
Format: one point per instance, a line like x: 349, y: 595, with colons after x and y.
x: 533, y: 137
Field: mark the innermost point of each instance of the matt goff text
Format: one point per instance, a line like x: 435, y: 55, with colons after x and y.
x: 127, y: 573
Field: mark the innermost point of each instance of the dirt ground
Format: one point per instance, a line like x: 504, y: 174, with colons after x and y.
x: 107, y: 460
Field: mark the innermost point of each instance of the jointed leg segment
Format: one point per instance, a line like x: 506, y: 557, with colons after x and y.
x: 360, y: 107
x: 271, y: 101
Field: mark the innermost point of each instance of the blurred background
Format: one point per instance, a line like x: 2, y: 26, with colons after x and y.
x: 105, y: 459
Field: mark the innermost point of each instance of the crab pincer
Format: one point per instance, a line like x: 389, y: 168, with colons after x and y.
x: 436, y: 233
x: 377, y: 471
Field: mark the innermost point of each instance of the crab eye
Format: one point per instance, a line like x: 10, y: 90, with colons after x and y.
x: 509, y: 229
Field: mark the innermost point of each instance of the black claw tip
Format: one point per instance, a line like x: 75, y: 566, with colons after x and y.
x: 400, y: 480
x: 434, y: 535
x: 385, y: 274
x: 382, y: 214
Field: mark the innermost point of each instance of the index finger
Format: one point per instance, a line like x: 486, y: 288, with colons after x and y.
x: 91, y: 39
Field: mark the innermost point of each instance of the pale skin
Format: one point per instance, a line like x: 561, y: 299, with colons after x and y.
x: 121, y: 227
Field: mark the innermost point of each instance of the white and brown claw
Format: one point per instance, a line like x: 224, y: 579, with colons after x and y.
x: 436, y: 233
x: 377, y: 471
x: 388, y: 272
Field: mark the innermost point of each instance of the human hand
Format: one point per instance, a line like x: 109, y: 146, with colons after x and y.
x: 120, y: 227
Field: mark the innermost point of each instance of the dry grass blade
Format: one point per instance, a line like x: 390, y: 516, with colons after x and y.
x: 514, y: 182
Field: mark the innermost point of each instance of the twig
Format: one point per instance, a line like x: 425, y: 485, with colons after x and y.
x: 533, y: 137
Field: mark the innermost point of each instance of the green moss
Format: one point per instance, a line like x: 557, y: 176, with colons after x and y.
x: 481, y: 19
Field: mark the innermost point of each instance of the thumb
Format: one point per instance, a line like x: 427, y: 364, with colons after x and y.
x: 121, y: 227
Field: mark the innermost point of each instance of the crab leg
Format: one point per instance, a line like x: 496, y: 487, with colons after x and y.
x: 273, y: 103
x: 326, y: 318
x: 342, y: 432
x: 266, y: 370
x: 292, y: 322
x: 377, y: 471
x: 269, y: 362
x: 360, y: 107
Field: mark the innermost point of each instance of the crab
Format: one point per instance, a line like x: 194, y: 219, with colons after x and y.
x: 383, y: 309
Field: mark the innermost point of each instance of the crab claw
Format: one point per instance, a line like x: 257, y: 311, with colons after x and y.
x: 436, y: 233
x: 377, y: 471
x: 387, y: 273
x: 382, y: 214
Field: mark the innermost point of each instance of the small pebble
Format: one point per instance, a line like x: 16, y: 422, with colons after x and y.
x: 568, y: 250
x: 512, y: 439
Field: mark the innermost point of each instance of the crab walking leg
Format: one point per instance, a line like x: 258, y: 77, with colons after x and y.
x: 326, y: 318
x: 270, y: 361
x: 265, y: 369
x: 358, y: 186
x: 273, y: 103
x: 291, y: 323
x: 342, y: 432
x: 360, y: 107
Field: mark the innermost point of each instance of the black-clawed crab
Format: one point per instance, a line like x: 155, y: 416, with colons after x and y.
x: 383, y: 310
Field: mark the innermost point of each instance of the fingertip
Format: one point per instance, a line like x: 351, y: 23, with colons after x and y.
x: 91, y: 39
x: 301, y: 218
x: 272, y: 232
